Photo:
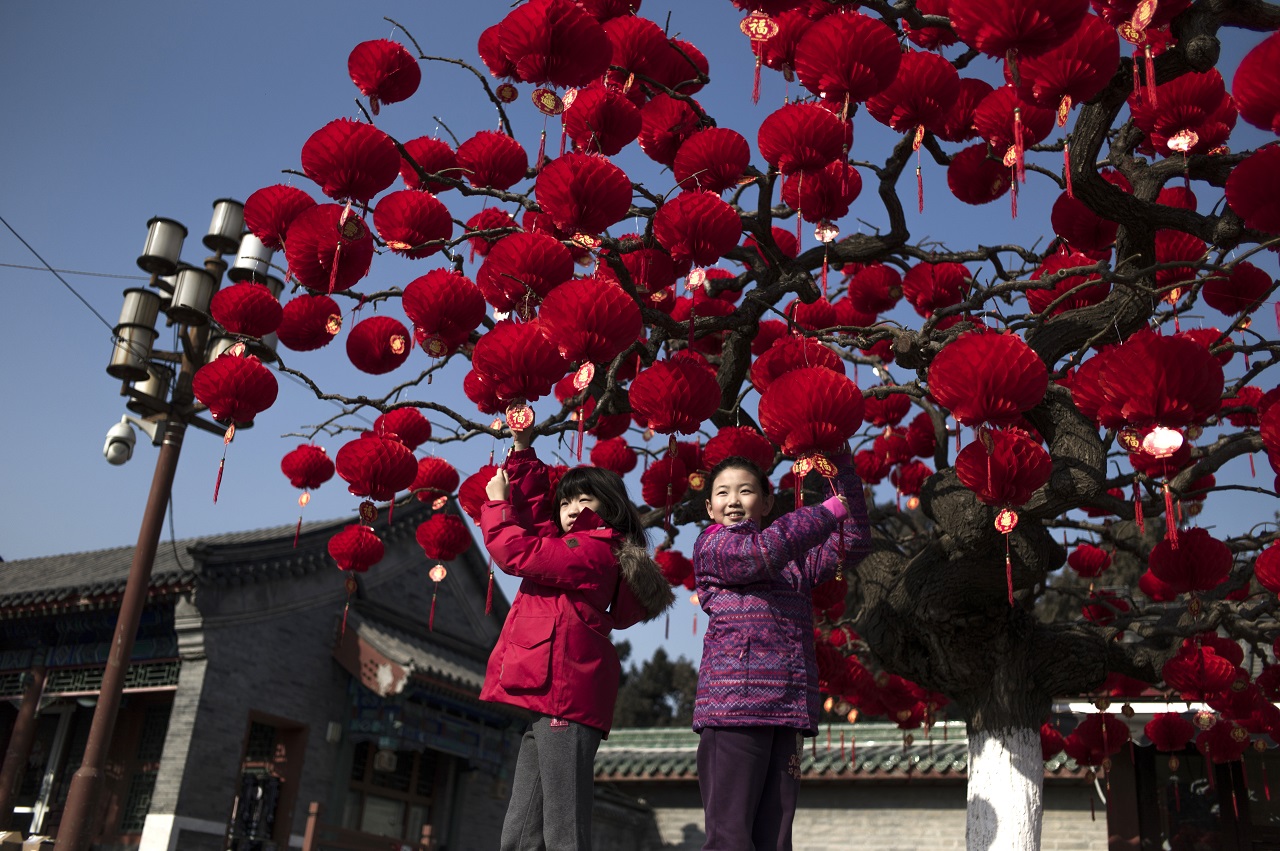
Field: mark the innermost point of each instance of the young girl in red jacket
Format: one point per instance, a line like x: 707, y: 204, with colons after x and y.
x: 582, y: 559
x: 758, y: 679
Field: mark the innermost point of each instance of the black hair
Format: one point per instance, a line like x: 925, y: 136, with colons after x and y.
x: 737, y: 462
x: 616, y: 508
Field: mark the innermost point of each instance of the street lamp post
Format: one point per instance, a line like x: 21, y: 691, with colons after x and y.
x: 158, y: 384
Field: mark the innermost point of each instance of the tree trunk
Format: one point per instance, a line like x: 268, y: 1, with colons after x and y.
x: 1006, y: 784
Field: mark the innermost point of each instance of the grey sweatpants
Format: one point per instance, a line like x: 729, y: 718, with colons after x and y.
x: 552, y: 793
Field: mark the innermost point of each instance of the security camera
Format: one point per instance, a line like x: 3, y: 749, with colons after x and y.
x: 120, y: 441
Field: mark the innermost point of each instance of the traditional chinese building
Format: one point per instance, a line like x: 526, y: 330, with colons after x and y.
x: 260, y: 692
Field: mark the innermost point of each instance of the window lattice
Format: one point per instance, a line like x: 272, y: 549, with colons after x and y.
x: 138, y: 802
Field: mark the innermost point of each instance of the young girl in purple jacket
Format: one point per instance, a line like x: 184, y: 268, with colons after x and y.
x: 758, y: 681
x: 584, y: 568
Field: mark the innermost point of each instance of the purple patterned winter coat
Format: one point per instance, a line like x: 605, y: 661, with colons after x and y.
x: 758, y: 664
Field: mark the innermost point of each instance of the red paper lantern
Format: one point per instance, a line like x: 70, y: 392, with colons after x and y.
x: 234, y: 388
x: 435, y: 157
x: 676, y: 569
x: 1198, y: 562
x: 785, y: 240
x: 922, y: 94
x: 350, y: 160
x: 922, y: 440
x: 583, y: 193
x: 1256, y: 85
x: 407, y: 425
x: 1096, y: 739
x: 803, y: 137
x: 1266, y: 567
x: 409, y: 221
x: 601, y: 120
x: 1051, y: 741
x: 1088, y: 561
x: 976, y: 178
x: 443, y: 537
x: 958, y: 126
x: 1191, y: 114
x: 824, y: 194
x: 790, y: 353
x: 847, y: 58
x: 1253, y: 189
x: 480, y: 390
x: 680, y: 67
x: 1104, y: 607
x: 1083, y: 229
x: 489, y: 48
x: 742, y: 441
x: 589, y: 319
x: 675, y: 395
x: 1225, y: 741
x: 445, y: 307
x: 664, y: 482
x: 1169, y: 731
x: 887, y: 410
x: 614, y: 454
x: 638, y: 47
x: 988, y: 377
x: 811, y: 410
x: 471, y: 493
x: 522, y: 269
x: 518, y: 360
x: 713, y: 160
x: 665, y: 123
x: 492, y: 159
x: 356, y: 548
x: 375, y: 466
x: 436, y: 478
x: 309, y: 322
x: 1151, y: 379
x: 697, y: 227
x: 1074, y: 71
x: 248, y: 308
x: 553, y: 42
x: 876, y: 289
x: 1197, y: 672
x: 384, y: 71
x: 269, y: 211
x: 307, y: 467
x: 1069, y: 293
x: 1004, y: 117
x: 1029, y: 27
x: 378, y: 345
x: 1004, y: 468
x: 1237, y: 291
x: 328, y: 248
x: 933, y: 286
x: 498, y: 223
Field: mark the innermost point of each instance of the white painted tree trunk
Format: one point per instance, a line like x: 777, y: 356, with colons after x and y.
x: 1006, y: 785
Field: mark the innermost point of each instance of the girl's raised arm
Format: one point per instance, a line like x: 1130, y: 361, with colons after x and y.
x: 851, y: 541
x: 742, y: 554
x: 530, y: 479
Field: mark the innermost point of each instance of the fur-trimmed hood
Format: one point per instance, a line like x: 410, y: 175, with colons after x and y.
x: 643, y: 592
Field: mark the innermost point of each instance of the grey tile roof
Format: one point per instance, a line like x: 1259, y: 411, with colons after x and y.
x: 436, y: 655
x: 231, y: 558
x: 869, y: 751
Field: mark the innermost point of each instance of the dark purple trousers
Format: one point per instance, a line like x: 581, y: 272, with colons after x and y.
x: 749, y: 778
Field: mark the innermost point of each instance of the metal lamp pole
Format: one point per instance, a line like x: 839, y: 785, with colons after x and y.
x: 185, y: 298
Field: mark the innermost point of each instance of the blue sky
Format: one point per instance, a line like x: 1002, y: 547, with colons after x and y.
x: 121, y: 112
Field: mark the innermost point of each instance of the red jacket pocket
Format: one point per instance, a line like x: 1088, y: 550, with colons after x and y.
x: 527, y: 663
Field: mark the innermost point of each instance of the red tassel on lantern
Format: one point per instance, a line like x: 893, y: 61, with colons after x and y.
x: 1171, y: 520
x: 1137, y: 507
x: 1066, y: 168
x: 227, y: 437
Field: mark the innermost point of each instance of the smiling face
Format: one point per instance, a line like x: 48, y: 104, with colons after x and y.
x: 570, y: 509
x: 737, y: 495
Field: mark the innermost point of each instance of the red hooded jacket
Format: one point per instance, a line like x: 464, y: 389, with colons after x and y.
x: 554, y: 655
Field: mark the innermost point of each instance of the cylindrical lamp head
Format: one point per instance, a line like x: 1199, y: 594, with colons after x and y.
x: 164, y: 244
x: 217, y: 346
x: 155, y: 386
x: 252, y: 262
x: 140, y: 307
x: 190, y: 302
x: 132, y: 349
x: 276, y: 285
x: 226, y: 227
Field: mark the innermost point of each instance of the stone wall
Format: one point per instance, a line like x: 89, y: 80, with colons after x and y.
x: 884, y: 815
